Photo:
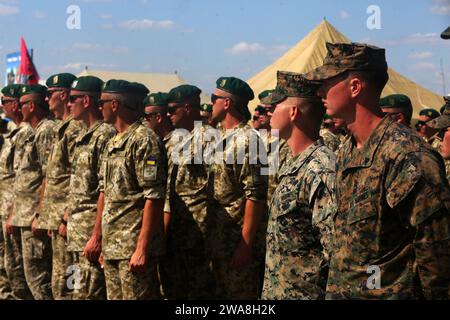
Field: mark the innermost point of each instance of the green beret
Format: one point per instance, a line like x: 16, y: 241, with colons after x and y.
x: 291, y: 84
x: 157, y: 99
x: 446, y: 34
x: 236, y: 87
x: 87, y: 84
x: 343, y: 57
x: 183, y: 92
x: 397, y: 101
x: 12, y: 91
x: 139, y: 89
x: 431, y: 113
x: 60, y: 80
x: 206, y: 107
x: 265, y: 94
x: 118, y: 86
x: 33, y: 89
x: 260, y: 109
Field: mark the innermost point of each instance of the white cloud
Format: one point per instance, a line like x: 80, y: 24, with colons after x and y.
x: 82, y: 65
x: 344, y: 14
x: 420, y: 55
x: 146, y: 24
x: 38, y: 14
x: 99, y: 47
x: 107, y: 26
x: 8, y: 10
x: 417, y: 39
x: 106, y: 16
x: 244, y: 47
x: 441, y: 7
x: 424, y: 66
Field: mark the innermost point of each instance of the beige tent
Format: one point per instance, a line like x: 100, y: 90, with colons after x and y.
x: 309, y: 54
x: 156, y: 82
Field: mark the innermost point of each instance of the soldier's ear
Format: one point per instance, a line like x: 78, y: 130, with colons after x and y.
x: 355, y: 86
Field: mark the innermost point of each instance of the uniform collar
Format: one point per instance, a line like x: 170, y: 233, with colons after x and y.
x: 297, y: 162
x: 363, y: 158
x: 119, y: 143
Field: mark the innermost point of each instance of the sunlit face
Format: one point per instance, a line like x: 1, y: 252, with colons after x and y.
x: 76, y: 105
x: 54, y: 100
x: 335, y: 96
x: 177, y: 114
x: 218, y: 112
x: 106, y: 108
x: 445, y: 145
x: 280, y: 118
x: 424, y: 130
x: 7, y: 106
x: 25, y: 104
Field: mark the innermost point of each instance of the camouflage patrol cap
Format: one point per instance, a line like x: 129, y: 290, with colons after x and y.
x: 12, y: 91
x: 87, y: 84
x: 206, y: 107
x: 291, y: 84
x: 446, y: 34
x: 33, y: 89
x: 235, y: 86
x: 343, y: 57
x: 265, y: 94
x: 159, y: 99
x: 442, y: 121
x: 60, y: 80
x: 183, y: 92
x: 431, y: 113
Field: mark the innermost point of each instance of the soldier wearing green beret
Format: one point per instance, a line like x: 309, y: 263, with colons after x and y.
x: 263, y: 109
x: 399, y: 105
x: 442, y: 123
x: 28, y: 187
x: 427, y: 133
x: 186, y: 269
x: 132, y: 186
x: 237, y: 196
x: 57, y: 180
x: 205, y: 114
x: 394, y: 203
x: 83, y: 241
x: 155, y: 115
x: 12, y: 277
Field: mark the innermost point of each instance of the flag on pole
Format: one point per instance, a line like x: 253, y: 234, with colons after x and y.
x: 27, y: 72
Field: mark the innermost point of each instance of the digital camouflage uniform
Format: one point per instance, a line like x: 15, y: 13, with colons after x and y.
x: 135, y: 170
x: 84, y: 189
x: 11, y: 154
x: 36, y: 250
x: 393, y: 213
x: 331, y: 140
x: 187, y: 193
x: 230, y: 186
x: 300, y: 219
x: 392, y: 224
x: 54, y: 202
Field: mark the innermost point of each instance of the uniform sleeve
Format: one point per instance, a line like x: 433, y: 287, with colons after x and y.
x: 102, y: 154
x: 44, y: 144
x: 254, y: 182
x: 427, y: 213
x: 151, y: 168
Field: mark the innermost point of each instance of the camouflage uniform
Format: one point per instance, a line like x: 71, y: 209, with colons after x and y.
x: 84, y: 191
x: 393, y: 213
x: 187, y: 191
x: 230, y: 186
x: 10, y: 157
x: 331, y: 140
x: 36, y: 250
x: 300, y: 219
x: 7, y: 173
x: 54, y: 201
x: 135, y: 170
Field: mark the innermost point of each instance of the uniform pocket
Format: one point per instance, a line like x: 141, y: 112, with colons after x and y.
x: 362, y: 211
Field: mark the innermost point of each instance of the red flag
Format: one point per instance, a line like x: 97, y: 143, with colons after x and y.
x: 27, y: 72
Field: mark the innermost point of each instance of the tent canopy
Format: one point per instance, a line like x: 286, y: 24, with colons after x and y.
x: 310, y: 52
x: 155, y: 82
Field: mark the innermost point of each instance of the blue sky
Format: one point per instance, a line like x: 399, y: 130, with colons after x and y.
x: 203, y: 40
